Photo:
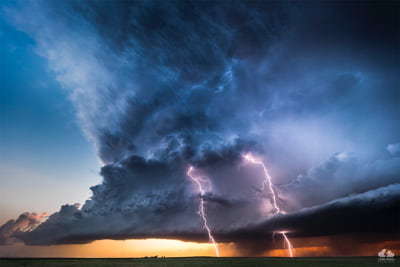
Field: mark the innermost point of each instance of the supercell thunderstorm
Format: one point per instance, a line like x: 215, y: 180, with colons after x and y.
x: 160, y: 85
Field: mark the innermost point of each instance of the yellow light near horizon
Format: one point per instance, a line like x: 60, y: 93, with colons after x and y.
x: 160, y: 247
x: 113, y: 248
x: 168, y: 244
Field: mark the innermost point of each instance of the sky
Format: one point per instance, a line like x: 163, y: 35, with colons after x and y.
x: 41, y: 144
x: 157, y: 127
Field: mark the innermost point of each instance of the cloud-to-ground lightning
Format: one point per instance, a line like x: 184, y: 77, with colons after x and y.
x: 288, y: 243
x: 202, y: 211
x: 268, y: 182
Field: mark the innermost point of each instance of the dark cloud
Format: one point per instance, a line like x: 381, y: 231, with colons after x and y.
x: 161, y: 85
x: 368, y: 218
x: 375, y: 211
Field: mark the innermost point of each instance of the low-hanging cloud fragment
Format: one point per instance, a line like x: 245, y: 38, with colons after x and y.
x: 26, y: 222
x: 159, y: 86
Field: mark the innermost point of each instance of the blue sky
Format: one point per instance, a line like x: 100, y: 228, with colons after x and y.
x: 40, y: 139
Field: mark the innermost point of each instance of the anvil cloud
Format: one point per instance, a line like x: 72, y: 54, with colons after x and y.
x: 311, y: 88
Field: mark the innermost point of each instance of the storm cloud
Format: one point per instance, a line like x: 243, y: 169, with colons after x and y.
x: 312, y: 88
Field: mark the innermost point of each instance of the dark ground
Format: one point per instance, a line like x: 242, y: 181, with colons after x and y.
x: 204, y: 261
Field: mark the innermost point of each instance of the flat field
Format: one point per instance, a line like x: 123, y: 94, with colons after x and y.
x: 203, y: 262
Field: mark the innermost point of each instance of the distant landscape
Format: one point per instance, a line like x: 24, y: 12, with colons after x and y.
x: 202, y: 261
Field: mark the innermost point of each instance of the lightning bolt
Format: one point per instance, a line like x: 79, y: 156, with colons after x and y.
x: 268, y: 182
x: 202, y: 211
x: 288, y: 244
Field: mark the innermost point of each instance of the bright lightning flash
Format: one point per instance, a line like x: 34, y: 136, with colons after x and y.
x: 288, y: 244
x: 268, y: 182
x: 202, y: 211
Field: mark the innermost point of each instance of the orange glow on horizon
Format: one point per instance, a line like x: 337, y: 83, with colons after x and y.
x: 136, y: 248
x: 113, y: 248
x: 300, y: 252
